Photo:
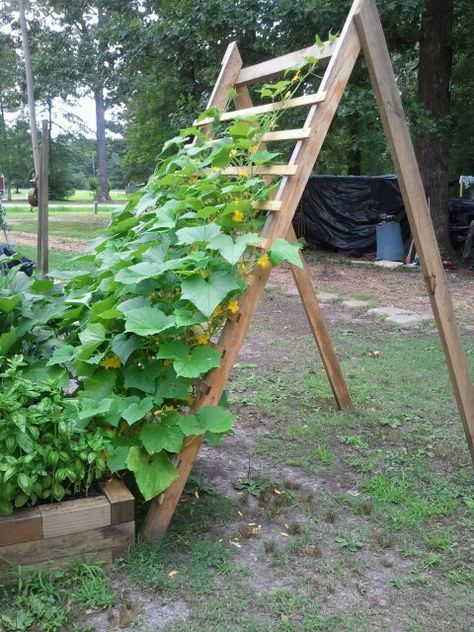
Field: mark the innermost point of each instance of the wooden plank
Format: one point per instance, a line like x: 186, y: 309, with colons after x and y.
x: 230, y: 68
x: 278, y: 106
x: 73, y: 516
x: 67, y: 545
x: 411, y: 185
x: 105, y: 557
x: 286, y: 134
x: 122, y: 502
x: 320, y: 331
x: 24, y: 525
x: 268, y: 205
x: 267, y: 170
x: 276, y: 66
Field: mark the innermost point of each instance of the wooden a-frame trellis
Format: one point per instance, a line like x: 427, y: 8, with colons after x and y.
x: 362, y: 32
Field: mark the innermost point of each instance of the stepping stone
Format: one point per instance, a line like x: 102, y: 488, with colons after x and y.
x: 390, y: 265
x: 406, y: 320
x: 354, y: 303
x: 327, y: 297
x: 390, y: 311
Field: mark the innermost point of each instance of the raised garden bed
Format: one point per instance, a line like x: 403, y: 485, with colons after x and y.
x: 99, y: 528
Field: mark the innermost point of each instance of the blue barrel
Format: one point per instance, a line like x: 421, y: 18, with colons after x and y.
x: 389, y: 242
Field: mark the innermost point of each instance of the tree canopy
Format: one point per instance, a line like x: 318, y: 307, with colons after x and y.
x: 149, y: 65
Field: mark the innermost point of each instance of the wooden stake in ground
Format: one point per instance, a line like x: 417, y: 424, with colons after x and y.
x: 43, y: 194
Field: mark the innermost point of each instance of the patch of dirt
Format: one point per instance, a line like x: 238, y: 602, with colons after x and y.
x: 60, y: 243
x: 136, y: 610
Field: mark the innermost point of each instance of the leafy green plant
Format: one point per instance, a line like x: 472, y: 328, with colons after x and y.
x: 253, y: 485
x: 138, y: 333
x: 44, y: 456
x: 168, y: 273
x: 350, y: 542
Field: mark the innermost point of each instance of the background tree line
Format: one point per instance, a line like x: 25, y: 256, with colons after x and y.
x: 150, y: 64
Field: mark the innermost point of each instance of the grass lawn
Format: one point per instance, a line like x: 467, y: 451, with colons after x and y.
x: 306, y: 518
x: 58, y: 259
x: 79, y: 195
x: 74, y: 227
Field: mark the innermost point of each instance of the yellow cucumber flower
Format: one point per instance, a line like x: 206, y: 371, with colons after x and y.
x: 233, y: 306
x: 238, y: 216
x: 202, y: 339
x: 264, y: 261
x: 113, y: 362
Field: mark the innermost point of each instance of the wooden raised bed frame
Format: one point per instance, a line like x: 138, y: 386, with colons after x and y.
x: 99, y: 528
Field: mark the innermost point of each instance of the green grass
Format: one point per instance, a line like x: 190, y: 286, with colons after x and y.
x: 79, y: 195
x: 50, y: 600
x: 74, y: 227
x: 24, y: 212
x: 58, y: 259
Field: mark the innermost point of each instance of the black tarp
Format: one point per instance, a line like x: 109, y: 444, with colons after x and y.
x: 342, y: 212
x: 27, y: 265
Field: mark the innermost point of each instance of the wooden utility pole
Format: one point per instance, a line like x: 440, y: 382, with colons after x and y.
x: 43, y: 194
x: 29, y: 87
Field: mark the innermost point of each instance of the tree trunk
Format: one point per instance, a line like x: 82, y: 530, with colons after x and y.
x: 29, y: 87
x: 434, y: 76
x: 102, y: 176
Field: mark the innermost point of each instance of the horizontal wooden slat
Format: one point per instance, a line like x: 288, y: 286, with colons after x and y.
x: 273, y: 67
x: 287, y: 134
x: 72, y: 516
x: 268, y: 205
x: 122, y: 502
x: 105, y: 557
x: 306, y: 99
x: 24, y: 525
x: 268, y: 170
x: 68, y: 545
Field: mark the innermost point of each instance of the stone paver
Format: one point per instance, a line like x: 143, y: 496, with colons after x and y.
x: 354, y: 303
x: 327, y: 297
x: 389, y: 311
x: 405, y: 318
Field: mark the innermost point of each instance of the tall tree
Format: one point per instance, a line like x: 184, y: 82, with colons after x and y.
x: 434, y: 79
x: 87, y: 26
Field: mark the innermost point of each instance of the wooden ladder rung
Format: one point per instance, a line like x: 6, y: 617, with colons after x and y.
x: 264, y: 170
x: 268, y: 205
x: 274, y: 67
x: 287, y: 134
x: 306, y: 99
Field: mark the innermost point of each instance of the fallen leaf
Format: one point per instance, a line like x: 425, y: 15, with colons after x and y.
x: 285, y: 535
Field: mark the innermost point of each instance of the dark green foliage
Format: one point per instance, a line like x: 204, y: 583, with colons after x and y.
x: 44, y: 456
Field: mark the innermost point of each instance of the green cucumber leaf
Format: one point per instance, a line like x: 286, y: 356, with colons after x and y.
x: 153, y: 475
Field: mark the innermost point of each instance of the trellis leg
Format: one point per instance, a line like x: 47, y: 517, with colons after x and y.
x: 311, y: 306
x: 320, y: 330
x: 396, y: 129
